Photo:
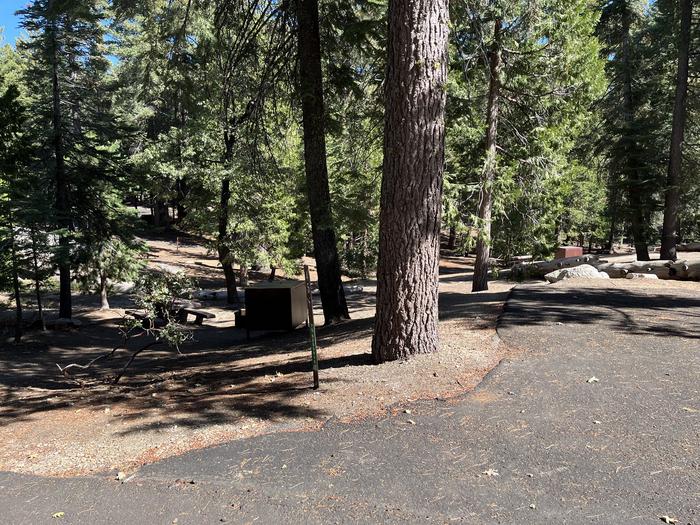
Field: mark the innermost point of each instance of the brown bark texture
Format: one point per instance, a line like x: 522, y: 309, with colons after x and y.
x: 311, y: 90
x: 452, y: 238
x: 669, y: 235
x: 414, y: 143
x: 37, y: 282
x: 480, y: 280
x: 223, y: 251
x: 677, y: 270
x: 15, y: 288
x: 525, y: 270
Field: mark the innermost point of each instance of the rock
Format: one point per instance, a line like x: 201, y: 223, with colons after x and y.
x: 553, y: 277
x: 541, y: 268
x: 168, y: 268
x: 349, y: 289
x: 584, y: 271
x: 214, y: 294
x: 642, y: 276
x: 123, y: 287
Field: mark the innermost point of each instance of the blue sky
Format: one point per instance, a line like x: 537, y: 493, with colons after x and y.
x: 8, y: 20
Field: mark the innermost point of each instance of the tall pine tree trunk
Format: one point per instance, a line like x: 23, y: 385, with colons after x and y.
x: 65, y: 309
x: 483, y: 243
x: 15, y: 284
x: 311, y: 89
x: 669, y: 236
x: 414, y: 154
x: 633, y: 168
x: 613, y: 220
x: 223, y: 251
x: 37, y: 281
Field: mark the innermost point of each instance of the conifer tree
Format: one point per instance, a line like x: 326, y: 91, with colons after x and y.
x: 66, y: 66
x: 11, y: 150
x: 414, y: 142
x: 524, y: 75
x: 313, y: 109
x: 619, y: 30
x: 669, y: 234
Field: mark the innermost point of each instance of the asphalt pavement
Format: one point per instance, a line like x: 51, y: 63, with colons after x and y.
x: 595, y: 420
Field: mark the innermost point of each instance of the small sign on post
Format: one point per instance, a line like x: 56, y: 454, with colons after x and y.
x: 312, y: 326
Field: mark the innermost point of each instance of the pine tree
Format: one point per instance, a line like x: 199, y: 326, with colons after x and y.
x: 323, y: 231
x: 71, y: 113
x: 481, y: 264
x: 524, y: 75
x: 11, y: 150
x: 672, y: 198
x: 409, y: 234
x: 619, y: 29
x: 155, y: 98
x: 353, y: 65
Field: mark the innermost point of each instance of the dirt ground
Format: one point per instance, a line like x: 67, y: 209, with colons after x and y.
x: 222, y: 387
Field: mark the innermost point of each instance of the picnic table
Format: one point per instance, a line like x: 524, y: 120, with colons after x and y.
x: 184, y: 312
x: 180, y: 312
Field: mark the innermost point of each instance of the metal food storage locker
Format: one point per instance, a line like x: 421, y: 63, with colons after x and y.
x: 275, y: 305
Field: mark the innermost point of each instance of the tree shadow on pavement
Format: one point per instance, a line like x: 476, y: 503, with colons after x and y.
x: 665, y: 312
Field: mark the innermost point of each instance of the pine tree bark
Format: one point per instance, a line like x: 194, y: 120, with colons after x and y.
x: 15, y: 285
x: 182, y: 191
x: 480, y: 281
x: 634, y: 179
x: 406, y: 322
x: 37, y: 281
x: 65, y: 309
x: 613, y: 221
x: 669, y: 236
x: 452, y: 239
x: 223, y: 251
x: 311, y: 90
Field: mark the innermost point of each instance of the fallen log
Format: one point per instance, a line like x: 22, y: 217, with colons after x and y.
x: 689, y: 247
x: 525, y: 270
x: 680, y: 270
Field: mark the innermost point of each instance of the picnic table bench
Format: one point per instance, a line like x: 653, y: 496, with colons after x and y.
x: 199, y: 315
x: 146, y: 322
x: 181, y: 315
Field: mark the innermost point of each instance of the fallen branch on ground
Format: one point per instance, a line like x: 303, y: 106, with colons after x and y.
x: 524, y: 270
x: 108, y: 355
x: 689, y: 247
x: 678, y: 270
x: 131, y: 359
